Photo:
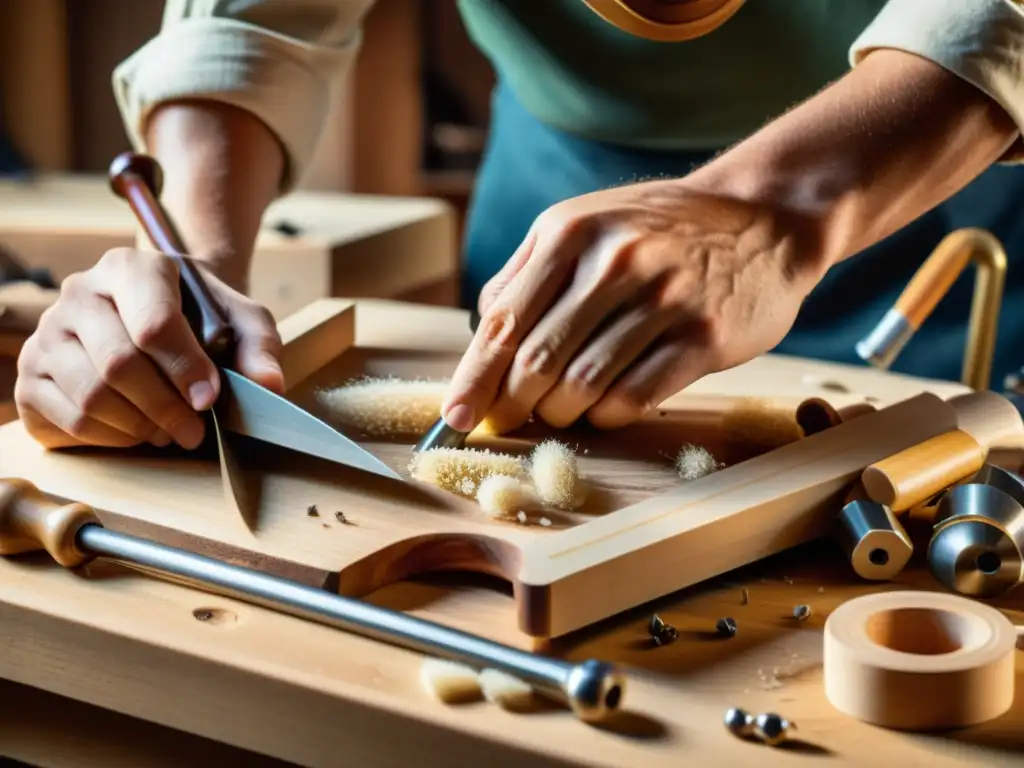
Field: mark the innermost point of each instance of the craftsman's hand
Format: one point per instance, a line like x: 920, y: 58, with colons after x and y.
x: 620, y: 298
x: 114, y: 363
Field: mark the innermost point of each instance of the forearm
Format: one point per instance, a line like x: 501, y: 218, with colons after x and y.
x: 222, y: 168
x: 869, y: 154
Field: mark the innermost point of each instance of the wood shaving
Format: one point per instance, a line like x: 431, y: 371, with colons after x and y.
x: 461, y: 470
x: 386, y: 407
x: 555, y: 475
x: 695, y: 462
x: 502, y: 496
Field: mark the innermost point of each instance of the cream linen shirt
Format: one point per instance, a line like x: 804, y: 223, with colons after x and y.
x: 279, y: 59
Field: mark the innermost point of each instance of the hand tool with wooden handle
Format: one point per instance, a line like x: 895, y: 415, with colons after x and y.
x: 244, y: 406
x: 72, y: 534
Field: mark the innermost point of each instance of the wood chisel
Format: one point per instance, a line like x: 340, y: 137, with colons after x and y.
x: 243, y: 407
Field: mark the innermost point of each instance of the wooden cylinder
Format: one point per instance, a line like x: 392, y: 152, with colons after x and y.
x: 919, y: 661
x: 914, y: 475
x: 816, y: 414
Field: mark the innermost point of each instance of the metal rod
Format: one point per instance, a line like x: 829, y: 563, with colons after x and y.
x: 592, y: 689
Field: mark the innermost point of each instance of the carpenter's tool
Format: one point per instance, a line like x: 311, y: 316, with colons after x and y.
x: 244, y: 406
x: 441, y: 435
x: 72, y: 534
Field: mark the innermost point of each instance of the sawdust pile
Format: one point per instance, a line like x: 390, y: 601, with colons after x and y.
x: 461, y: 470
x: 386, y: 407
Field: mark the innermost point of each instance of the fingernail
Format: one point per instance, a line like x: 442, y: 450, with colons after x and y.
x: 160, y: 439
x: 189, y: 434
x: 460, y: 417
x: 201, y: 395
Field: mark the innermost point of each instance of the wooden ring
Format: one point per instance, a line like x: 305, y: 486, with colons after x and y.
x: 919, y: 661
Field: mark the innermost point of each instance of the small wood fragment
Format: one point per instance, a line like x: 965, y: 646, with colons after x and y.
x: 505, y: 690
x: 745, y: 597
x: 450, y: 681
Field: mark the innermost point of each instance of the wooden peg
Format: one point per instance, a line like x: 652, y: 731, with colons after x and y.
x: 916, y: 474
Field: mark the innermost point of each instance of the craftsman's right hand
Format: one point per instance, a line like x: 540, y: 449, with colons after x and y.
x: 114, y: 363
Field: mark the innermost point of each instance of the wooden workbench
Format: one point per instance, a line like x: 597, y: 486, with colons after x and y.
x: 112, y: 668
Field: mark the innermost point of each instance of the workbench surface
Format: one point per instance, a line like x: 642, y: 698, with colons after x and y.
x: 110, y: 667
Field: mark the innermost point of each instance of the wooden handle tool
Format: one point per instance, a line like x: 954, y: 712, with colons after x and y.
x: 926, y: 289
x: 138, y: 179
x: 72, y: 534
x: 910, y: 477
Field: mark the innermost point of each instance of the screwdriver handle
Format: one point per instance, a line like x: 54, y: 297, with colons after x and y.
x: 138, y: 179
x: 32, y: 522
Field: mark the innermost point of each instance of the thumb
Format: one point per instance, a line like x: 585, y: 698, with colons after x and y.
x: 259, y: 348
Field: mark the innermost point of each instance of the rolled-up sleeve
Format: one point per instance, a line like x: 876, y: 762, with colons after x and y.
x: 277, y: 59
x: 981, y: 41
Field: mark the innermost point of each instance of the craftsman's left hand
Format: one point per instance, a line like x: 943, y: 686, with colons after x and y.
x: 620, y: 298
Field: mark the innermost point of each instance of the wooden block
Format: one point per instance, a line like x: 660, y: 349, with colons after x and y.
x: 358, y: 246
x: 621, y: 549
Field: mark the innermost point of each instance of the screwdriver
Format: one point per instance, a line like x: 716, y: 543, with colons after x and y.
x: 72, y: 534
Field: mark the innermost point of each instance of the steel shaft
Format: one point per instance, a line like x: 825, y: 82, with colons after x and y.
x: 592, y: 689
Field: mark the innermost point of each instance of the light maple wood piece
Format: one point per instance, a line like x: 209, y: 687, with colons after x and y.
x: 913, y: 476
x: 626, y: 552
x: 371, y: 246
x: 920, y: 662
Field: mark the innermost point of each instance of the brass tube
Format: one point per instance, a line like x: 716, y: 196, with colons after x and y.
x: 926, y: 289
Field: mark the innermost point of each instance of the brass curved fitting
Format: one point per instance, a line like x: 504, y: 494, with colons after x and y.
x: 925, y: 290
x: 666, y: 20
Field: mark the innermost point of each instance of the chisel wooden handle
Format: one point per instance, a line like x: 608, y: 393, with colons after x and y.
x: 31, y: 522
x: 138, y: 179
x: 910, y: 477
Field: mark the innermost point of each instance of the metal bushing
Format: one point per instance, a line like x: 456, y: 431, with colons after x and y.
x: 874, y: 540
x: 977, y: 546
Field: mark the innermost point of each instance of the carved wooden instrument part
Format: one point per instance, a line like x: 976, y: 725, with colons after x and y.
x: 643, y: 532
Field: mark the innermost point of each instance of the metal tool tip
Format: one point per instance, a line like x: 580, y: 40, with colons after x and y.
x: 441, y: 436
x: 595, y: 690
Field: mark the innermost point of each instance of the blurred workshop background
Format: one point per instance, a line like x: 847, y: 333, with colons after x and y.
x: 409, y: 123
